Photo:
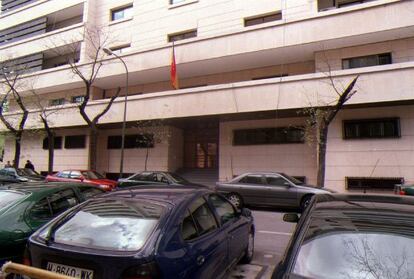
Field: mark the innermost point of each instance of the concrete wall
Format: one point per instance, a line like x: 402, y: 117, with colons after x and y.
x: 32, y: 150
x: 401, y: 51
x: 292, y: 159
x: 373, y: 157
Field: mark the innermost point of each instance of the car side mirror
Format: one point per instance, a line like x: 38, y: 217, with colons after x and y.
x: 291, y: 217
x: 246, y: 212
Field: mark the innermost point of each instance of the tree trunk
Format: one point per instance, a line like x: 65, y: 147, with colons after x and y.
x: 146, y: 158
x: 93, y: 148
x: 51, y: 151
x: 17, y: 144
x: 322, y: 144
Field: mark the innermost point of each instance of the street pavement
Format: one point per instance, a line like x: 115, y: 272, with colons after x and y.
x: 272, y: 237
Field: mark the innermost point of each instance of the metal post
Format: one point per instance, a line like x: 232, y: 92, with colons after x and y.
x: 121, y: 167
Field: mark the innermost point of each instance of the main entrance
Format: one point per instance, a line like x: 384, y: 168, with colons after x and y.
x: 201, y: 146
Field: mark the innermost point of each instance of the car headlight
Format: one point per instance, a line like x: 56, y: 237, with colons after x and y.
x: 105, y: 187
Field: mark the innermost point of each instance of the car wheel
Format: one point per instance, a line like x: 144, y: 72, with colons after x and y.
x: 249, y: 252
x: 305, y: 202
x: 235, y: 199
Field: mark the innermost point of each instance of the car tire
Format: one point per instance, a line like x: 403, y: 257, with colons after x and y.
x: 305, y: 202
x: 235, y: 199
x: 249, y: 252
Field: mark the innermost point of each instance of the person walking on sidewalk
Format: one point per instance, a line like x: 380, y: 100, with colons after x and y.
x: 29, y: 165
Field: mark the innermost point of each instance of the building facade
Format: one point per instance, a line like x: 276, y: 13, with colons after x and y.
x: 247, y: 69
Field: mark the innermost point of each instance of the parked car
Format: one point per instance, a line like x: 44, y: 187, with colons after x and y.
x: 22, y: 174
x: 27, y: 206
x: 8, y: 179
x: 153, y: 232
x: 155, y: 178
x: 85, y: 176
x: 353, y: 237
x: 407, y: 190
x: 268, y: 189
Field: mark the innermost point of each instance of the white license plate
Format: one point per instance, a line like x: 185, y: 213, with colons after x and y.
x: 70, y: 270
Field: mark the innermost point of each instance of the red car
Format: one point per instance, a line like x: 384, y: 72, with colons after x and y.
x: 86, y: 176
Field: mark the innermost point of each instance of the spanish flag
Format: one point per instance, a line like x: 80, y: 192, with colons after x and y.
x: 173, y: 70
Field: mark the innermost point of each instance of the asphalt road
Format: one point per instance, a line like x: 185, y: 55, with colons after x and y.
x: 272, y: 236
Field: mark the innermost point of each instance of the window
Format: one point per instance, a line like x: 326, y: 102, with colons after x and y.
x: 73, y: 142
x: 262, y: 19
x: 63, y: 174
x: 89, y: 192
x: 57, y: 102
x: 75, y: 175
x: 121, y: 13
x: 57, y: 143
x: 131, y: 141
x: 252, y: 179
x: 324, y: 5
x: 371, y: 128
x: 271, y: 76
x: 176, y: 1
x: 78, y: 99
x: 188, y: 228
x: 120, y: 49
x: 276, y: 180
x: 182, y: 36
x: 54, y: 204
x: 120, y: 225
x: 372, y: 183
x: 366, y: 61
x: 203, y: 218
x: 268, y: 136
x: 223, y: 208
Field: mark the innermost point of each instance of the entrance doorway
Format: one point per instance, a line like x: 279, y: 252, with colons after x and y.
x: 201, y: 146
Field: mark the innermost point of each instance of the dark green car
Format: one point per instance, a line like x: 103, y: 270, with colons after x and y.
x: 27, y: 206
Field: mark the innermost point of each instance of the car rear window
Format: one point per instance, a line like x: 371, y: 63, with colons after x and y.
x: 349, y: 248
x: 118, y: 225
x: 7, y: 197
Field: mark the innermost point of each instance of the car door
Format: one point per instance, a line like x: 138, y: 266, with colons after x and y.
x: 280, y: 192
x: 235, y: 227
x: 204, y: 241
x: 76, y: 176
x: 251, y: 188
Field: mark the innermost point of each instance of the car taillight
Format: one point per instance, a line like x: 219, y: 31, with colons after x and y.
x: 26, y: 257
x: 145, y: 271
x: 402, y: 192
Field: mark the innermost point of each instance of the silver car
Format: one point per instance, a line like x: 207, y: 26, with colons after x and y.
x: 270, y: 189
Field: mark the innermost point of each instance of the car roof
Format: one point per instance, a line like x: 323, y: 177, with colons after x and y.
x: 42, y: 187
x: 364, y: 202
x: 159, y: 193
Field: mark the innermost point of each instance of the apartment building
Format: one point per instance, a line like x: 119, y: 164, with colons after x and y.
x: 246, y: 70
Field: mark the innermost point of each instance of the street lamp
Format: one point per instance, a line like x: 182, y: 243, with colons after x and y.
x: 121, y: 168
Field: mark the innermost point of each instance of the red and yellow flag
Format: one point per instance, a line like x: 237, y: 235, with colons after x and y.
x: 173, y: 70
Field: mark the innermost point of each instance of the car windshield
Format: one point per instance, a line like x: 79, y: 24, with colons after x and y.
x: 366, y: 250
x: 7, y: 197
x: 92, y: 175
x: 292, y: 179
x: 27, y: 172
x: 111, y: 225
x: 178, y: 178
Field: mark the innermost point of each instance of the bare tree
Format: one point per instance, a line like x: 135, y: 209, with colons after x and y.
x: 11, y: 81
x: 46, y: 113
x: 319, y: 119
x: 151, y: 132
x: 95, y: 40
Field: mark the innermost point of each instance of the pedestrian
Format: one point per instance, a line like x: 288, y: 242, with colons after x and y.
x: 8, y: 165
x: 29, y: 165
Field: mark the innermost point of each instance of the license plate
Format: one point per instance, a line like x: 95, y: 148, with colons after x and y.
x: 70, y: 270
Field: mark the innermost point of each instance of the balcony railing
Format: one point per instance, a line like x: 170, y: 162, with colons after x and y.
x: 8, y: 5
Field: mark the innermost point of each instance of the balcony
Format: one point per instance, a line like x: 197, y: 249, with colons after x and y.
x: 385, y: 84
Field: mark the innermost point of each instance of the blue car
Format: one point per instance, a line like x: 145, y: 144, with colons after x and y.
x: 157, y: 232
